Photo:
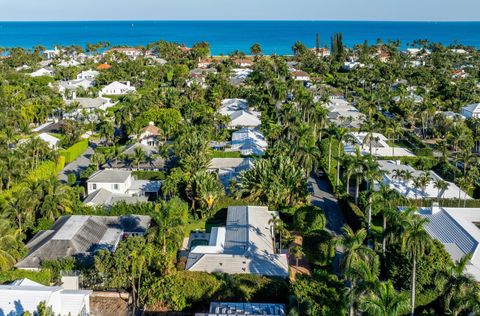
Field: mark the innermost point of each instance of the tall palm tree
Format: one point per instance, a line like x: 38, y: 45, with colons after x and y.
x: 372, y: 174
x: 384, y: 300
x: 138, y: 156
x: 359, y: 167
x: 457, y: 286
x: 341, y: 134
x: 297, y: 253
x: 9, y: 243
x: 364, y: 276
x: 441, y: 186
x: 354, y: 250
x: 415, y: 241
x: 386, y: 201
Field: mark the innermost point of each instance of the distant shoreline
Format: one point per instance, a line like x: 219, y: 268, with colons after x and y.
x: 225, y: 36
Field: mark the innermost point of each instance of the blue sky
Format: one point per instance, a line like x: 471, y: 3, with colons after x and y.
x: 409, y: 10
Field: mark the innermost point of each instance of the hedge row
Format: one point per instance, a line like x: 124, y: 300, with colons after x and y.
x: 149, y: 175
x: 74, y: 151
x: 353, y: 214
x: 445, y: 203
x: 44, y: 171
x: 42, y: 277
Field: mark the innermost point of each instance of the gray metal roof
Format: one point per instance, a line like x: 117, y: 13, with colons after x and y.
x: 110, y: 176
x: 80, y: 235
x: 89, y: 103
x: 248, y: 246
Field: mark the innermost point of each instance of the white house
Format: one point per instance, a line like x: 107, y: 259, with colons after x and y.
x: 229, y: 168
x: 149, y: 135
x: 52, y: 141
x: 69, y: 63
x: 471, y: 111
x: 118, y: 88
x: 45, y: 71
x: 74, y: 85
x: 321, y: 52
x: 380, y: 146
x: 351, y: 65
x: 240, y: 114
x: 239, y: 75
x: 249, y: 142
x: 89, y: 106
x: 25, y: 295
x: 88, y: 74
x: 300, y: 75
x: 244, y: 245
x: 243, y: 62
x: 132, y: 52
x: 342, y: 113
x: 105, y: 187
x: 457, y: 229
x: 51, y: 53
x: 406, y: 186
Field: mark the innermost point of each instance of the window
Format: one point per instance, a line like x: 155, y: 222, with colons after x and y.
x: 94, y: 186
x: 115, y: 186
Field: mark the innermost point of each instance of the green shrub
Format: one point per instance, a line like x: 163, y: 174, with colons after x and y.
x: 308, y: 219
x: 187, y: 291
x: 42, y: 277
x: 58, y: 265
x: 149, y: 175
x: 74, y: 151
x: 225, y: 154
x: 353, y: 214
x: 319, y: 248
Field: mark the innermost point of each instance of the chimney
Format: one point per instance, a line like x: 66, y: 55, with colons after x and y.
x: 435, y: 207
x: 128, y: 83
x: 74, y: 95
x: 151, y: 123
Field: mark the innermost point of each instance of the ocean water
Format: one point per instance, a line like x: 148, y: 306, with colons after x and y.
x: 227, y: 36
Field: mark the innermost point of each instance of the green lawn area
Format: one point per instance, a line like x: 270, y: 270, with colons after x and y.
x: 225, y: 154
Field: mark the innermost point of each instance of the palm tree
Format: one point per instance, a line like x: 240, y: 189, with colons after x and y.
x: 372, y: 174
x: 354, y: 250
x: 9, y: 243
x: 359, y: 167
x: 364, y: 276
x: 98, y: 159
x: 385, y: 301
x: 441, y: 186
x: 297, y: 253
x: 138, y: 156
x: 415, y: 241
x: 331, y: 130
x: 386, y: 200
x: 308, y: 155
x: 169, y: 224
x: 341, y: 134
x: 457, y: 286
x: 274, y: 222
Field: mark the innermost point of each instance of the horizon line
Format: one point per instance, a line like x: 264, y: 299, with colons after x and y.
x: 241, y: 20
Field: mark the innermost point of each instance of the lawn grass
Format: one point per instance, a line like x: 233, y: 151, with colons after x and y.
x: 225, y: 154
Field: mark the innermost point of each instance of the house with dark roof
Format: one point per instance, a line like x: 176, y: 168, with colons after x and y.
x: 81, y: 236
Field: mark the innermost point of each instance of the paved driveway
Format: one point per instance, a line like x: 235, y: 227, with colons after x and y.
x: 323, y: 197
x: 76, y: 166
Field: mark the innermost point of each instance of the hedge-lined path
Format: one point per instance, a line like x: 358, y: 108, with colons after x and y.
x: 323, y: 197
x: 77, y: 166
